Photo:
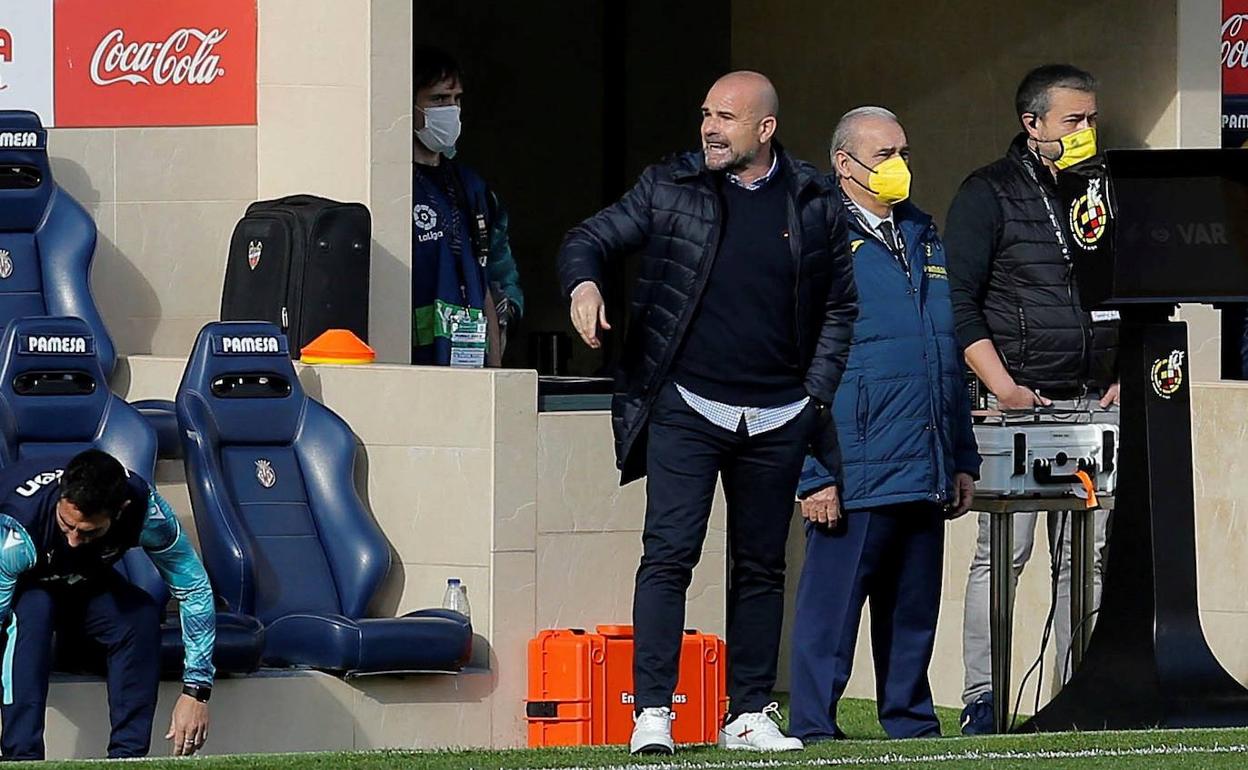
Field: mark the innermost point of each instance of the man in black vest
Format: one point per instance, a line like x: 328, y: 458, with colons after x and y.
x: 1026, y: 336
x: 740, y: 327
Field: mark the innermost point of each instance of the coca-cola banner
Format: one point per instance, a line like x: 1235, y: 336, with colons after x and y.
x: 26, y: 56
x: 1234, y: 73
x: 155, y: 62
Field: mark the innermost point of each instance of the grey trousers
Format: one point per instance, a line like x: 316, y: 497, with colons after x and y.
x: 976, y: 637
x: 976, y: 640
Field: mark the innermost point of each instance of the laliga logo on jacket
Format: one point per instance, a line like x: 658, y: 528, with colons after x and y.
x: 426, y: 218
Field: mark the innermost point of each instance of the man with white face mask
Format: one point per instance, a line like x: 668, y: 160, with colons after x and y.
x: 465, y: 286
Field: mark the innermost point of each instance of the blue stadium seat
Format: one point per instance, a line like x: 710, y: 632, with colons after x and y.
x: 47, y: 239
x: 163, y: 417
x: 54, y: 399
x: 284, y: 534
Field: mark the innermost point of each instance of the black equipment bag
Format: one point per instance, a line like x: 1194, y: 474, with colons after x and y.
x: 301, y: 262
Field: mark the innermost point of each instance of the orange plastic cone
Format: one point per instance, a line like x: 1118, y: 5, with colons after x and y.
x: 337, y: 346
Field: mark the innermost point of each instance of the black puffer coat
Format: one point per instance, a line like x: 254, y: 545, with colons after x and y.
x: 673, y: 217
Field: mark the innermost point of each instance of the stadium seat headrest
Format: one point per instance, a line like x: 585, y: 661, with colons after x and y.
x: 25, y: 176
x: 244, y: 369
x: 49, y: 343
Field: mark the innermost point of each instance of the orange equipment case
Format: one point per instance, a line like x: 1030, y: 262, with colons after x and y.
x: 581, y: 687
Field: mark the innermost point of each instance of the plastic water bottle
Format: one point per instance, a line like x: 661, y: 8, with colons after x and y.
x: 456, y: 598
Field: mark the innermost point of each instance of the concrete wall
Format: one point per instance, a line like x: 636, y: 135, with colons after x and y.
x: 165, y: 201
x: 950, y: 70
x: 390, y: 172
x: 589, y: 532
x: 1199, y: 102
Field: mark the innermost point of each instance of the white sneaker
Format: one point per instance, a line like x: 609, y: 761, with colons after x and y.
x: 652, y: 732
x: 756, y: 731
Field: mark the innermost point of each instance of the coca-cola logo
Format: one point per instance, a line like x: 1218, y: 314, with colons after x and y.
x: 1234, y: 49
x: 174, y: 60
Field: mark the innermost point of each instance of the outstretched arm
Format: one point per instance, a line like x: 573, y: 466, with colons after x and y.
x: 179, y: 565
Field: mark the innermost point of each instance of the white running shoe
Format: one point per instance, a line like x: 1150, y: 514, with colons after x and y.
x: 757, y: 731
x: 652, y: 732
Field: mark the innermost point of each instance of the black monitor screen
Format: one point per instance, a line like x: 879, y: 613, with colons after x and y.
x: 1181, y: 229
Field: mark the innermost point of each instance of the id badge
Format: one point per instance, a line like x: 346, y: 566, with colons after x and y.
x: 467, y: 358
x: 466, y: 328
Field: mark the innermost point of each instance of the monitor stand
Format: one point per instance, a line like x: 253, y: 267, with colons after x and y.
x: 1147, y: 663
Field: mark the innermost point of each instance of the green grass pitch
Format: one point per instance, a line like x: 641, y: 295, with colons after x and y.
x: 1203, y: 749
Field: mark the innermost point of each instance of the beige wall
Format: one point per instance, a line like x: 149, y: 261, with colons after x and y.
x: 317, y: 712
x: 950, y: 70
x: 1199, y: 113
x: 1220, y: 457
x: 589, y: 532
x: 313, y: 71
x: 165, y: 201
x: 390, y: 183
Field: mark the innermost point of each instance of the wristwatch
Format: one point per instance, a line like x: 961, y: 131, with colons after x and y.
x: 197, y: 691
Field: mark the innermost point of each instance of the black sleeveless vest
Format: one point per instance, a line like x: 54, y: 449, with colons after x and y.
x: 1047, y: 340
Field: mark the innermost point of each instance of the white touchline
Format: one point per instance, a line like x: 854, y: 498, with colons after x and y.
x: 893, y: 759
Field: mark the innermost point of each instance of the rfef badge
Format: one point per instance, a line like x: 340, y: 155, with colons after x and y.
x: 1088, y: 216
x: 1167, y: 374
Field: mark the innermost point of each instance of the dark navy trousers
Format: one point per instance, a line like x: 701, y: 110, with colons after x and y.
x: 892, y: 557
x: 113, y: 614
x: 686, y: 455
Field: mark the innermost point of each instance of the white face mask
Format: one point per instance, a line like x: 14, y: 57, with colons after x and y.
x: 441, y: 129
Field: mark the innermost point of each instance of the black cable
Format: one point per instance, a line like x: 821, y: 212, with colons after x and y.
x: 1099, y: 557
x: 1074, y: 632
x: 1055, y: 575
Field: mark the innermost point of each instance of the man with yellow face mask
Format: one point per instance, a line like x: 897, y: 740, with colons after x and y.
x: 1025, y: 333
x: 875, y: 528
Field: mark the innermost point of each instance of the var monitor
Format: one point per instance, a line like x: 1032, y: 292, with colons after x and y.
x: 1158, y: 226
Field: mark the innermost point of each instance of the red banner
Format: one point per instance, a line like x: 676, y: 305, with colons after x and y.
x: 1235, y: 47
x: 155, y: 62
x: 1234, y: 73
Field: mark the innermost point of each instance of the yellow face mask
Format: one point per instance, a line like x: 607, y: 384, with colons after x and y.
x: 889, y: 181
x: 1076, y: 148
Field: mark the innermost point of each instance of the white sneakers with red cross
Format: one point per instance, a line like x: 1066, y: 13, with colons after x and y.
x: 757, y: 731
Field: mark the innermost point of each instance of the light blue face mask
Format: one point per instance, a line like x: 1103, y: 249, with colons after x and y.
x: 441, y: 131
